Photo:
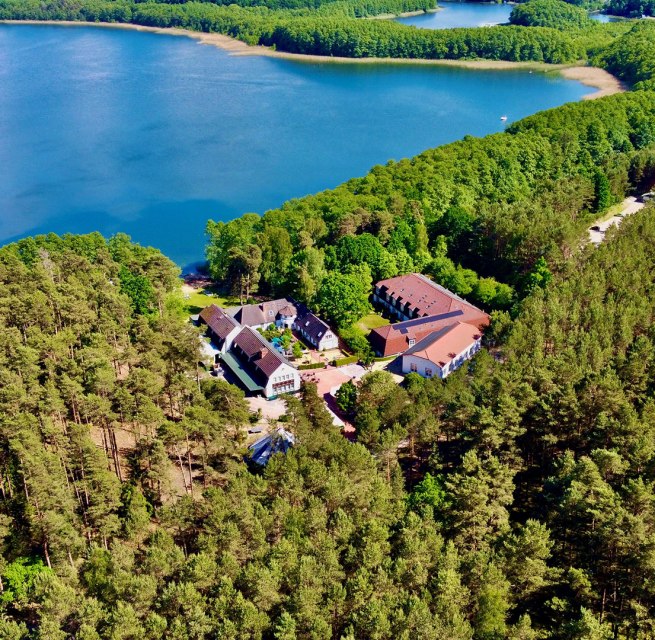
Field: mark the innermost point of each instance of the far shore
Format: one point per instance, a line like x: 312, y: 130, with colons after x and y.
x: 604, y: 82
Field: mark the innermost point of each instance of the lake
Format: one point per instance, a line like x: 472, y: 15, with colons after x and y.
x: 470, y: 14
x: 461, y: 14
x: 115, y: 130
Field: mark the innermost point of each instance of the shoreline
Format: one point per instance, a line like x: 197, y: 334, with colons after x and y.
x: 605, y: 83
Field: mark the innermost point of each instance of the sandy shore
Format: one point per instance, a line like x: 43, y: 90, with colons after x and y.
x: 605, y: 83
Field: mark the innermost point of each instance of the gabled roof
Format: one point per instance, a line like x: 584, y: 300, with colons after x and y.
x: 312, y: 325
x: 218, y: 321
x: 435, y: 306
x: 259, y: 353
x: 278, y: 441
x: 263, y: 313
x: 442, y: 346
x: 395, y: 338
x: 424, y: 297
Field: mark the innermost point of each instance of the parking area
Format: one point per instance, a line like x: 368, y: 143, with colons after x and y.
x: 328, y: 380
x: 271, y: 409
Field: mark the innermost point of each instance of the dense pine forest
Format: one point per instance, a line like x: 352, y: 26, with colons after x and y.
x: 520, y: 505
x: 514, y: 500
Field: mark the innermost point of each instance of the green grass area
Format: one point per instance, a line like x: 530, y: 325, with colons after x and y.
x: 198, y: 300
x: 372, y: 321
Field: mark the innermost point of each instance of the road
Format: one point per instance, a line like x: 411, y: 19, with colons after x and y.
x: 629, y: 207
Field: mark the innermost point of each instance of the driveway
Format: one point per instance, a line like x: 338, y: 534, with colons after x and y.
x: 630, y: 206
x: 271, y: 409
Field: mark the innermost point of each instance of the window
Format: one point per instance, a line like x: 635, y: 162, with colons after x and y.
x: 412, y: 342
x: 428, y: 372
x: 413, y: 367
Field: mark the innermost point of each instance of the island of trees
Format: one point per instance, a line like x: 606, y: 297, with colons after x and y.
x: 514, y: 500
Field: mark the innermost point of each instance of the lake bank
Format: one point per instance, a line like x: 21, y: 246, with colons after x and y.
x: 153, y: 135
x: 605, y: 83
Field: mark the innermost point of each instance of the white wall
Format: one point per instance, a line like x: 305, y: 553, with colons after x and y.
x: 328, y: 341
x: 229, y: 339
x: 437, y: 372
x: 284, y: 373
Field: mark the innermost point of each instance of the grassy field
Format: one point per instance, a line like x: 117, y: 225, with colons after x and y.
x: 198, y: 300
x: 372, y: 321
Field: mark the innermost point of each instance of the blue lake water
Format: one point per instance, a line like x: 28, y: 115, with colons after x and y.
x: 115, y: 130
x: 461, y: 14
x: 470, y: 14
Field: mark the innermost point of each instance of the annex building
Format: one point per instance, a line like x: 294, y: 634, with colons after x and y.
x: 437, y: 330
x: 285, y: 313
x: 256, y: 364
x: 259, y: 367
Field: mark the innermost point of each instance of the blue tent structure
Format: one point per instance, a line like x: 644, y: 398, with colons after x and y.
x: 278, y: 441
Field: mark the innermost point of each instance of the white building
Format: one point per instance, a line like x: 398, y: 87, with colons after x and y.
x: 441, y: 352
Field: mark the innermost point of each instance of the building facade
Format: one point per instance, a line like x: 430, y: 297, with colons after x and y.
x: 423, y: 307
x: 442, y: 352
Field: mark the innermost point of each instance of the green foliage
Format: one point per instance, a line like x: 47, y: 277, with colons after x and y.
x: 342, y: 362
x: 138, y: 289
x: 539, y: 277
x: 313, y: 365
x: 631, y: 8
x: 555, y: 14
x: 632, y: 56
x: 429, y: 492
x: 343, y: 297
x: 531, y: 510
x: 346, y: 397
x: 19, y: 579
x: 357, y: 342
x: 330, y: 32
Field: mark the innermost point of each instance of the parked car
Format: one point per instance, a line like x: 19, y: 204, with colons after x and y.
x: 645, y: 197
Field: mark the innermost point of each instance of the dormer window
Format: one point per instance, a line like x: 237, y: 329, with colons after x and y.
x: 412, y: 342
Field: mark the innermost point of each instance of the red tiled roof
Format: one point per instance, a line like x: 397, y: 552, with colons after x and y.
x: 425, y: 297
x: 218, y: 321
x: 394, y: 338
x: 435, y: 306
x: 442, y: 346
x: 261, y: 355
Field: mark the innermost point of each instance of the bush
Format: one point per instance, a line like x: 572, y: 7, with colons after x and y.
x: 342, y: 362
x: 314, y: 365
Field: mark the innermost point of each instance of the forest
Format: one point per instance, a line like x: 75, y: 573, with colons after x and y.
x: 482, y: 216
x: 515, y: 500
x: 333, y: 30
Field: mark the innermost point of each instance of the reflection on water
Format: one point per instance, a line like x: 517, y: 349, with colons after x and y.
x: 114, y: 130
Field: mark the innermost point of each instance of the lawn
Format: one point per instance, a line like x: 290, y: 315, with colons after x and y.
x: 199, y: 299
x: 372, y: 321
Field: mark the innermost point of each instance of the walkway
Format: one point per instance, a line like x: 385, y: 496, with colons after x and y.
x: 628, y: 207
